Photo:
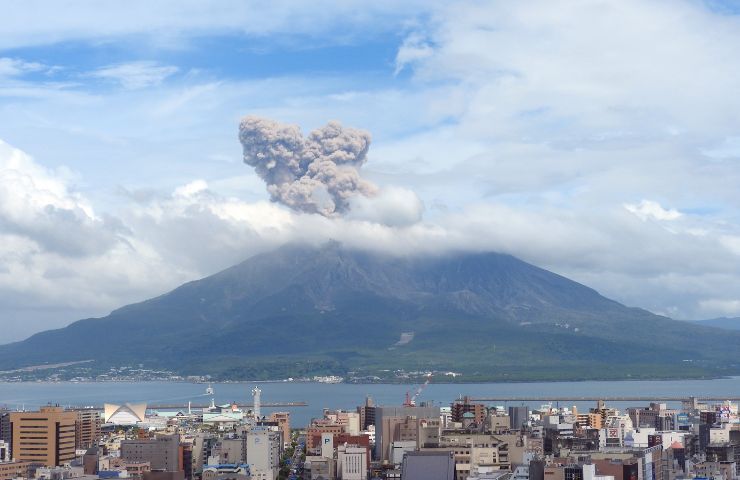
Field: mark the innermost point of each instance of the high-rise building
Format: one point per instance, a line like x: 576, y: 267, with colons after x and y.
x: 162, y: 452
x: 87, y: 428
x: 367, y: 413
x: 283, y: 421
x: 5, y: 433
x: 263, y: 453
x: 518, y: 416
x: 46, y: 436
x: 387, y: 425
x: 463, y: 406
x: 5, y: 425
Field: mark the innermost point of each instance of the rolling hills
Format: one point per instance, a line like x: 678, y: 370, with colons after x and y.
x: 729, y: 323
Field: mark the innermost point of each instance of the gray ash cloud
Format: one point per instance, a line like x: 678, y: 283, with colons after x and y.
x: 318, y: 173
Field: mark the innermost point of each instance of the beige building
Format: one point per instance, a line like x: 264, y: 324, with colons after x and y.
x: 474, y: 450
x: 283, y: 421
x: 46, y: 436
x: 12, y: 470
x: 162, y: 452
x: 87, y: 428
x: 592, y: 420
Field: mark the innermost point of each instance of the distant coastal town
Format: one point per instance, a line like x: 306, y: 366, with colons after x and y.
x: 85, y: 372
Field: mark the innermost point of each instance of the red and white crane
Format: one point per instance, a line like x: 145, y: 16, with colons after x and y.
x: 411, y: 401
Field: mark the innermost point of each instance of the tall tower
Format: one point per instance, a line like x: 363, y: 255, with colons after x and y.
x: 256, y: 392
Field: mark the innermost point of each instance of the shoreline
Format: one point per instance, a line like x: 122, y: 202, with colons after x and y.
x: 312, y: 382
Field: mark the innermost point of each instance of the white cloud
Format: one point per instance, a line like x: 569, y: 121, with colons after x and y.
x: 36, y: 204
x: 392, y: 206
x: 57, y: 253
x: 135, y: 75
x: 414, y: 48
x: 13, y: 67
x: 170, y: 23
x: 160, y: 240
x: 725, y: 307
x: 532, y: 128
x: 648, y: 209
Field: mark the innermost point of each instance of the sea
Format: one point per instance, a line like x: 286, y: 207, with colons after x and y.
x: 318, y: 396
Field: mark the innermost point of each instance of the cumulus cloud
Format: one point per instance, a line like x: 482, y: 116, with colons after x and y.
x: 315, y: 174
x: 57, y: 254
x: 163, y: 239
x: 518, y: 134
x: 37, y: 204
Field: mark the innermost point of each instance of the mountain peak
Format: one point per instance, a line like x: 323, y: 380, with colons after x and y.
x: 331, y: 309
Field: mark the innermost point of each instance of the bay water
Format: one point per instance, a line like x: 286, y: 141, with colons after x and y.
x: 31, y: 395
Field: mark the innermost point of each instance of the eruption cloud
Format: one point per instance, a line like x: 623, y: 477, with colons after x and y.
x: 315, y: 174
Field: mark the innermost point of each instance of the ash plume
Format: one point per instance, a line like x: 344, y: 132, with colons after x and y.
x: 318, y: 173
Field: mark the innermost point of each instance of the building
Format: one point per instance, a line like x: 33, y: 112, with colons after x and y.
x: 314, y: 432
x: 229, y: 451
x: 352, y: 462
x: 229, y: 471
x: 317, y: 467
x: 138, y: 469
x: 87, y: 428
x: 13, y: 470
x: 428, y: 466
x: 518, y: 416
x: 90, y: 461
x: 128, y: 414
x: 5, y: 426
x: 283, y: 421
x: 162, y: 452
x: 4, y: 451
x: 472, y: 451
x: 367, y: 413
x: 591, y: 420
x: 159, y: 475
x: 46, y: 436
x: 263, y: 453
x: 460, y: 407
x: 386, y: 419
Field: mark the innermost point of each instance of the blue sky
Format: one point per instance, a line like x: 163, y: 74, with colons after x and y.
x: 598, y: 139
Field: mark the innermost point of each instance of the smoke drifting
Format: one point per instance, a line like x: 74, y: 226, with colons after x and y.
x: 316, y: 174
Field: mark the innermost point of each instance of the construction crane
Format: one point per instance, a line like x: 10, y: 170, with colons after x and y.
x: 411, y: 401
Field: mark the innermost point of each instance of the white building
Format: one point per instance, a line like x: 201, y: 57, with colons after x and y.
x: 351, y: 462
x: 128, y: 414
x: 263, y: 453
x: 4, y: 451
